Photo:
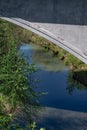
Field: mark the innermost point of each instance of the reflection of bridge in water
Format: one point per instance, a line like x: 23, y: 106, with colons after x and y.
x: 63, y: 22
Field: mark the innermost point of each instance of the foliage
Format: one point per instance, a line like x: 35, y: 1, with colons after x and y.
x: 15, y: 88
x: 5, y: 120
x: 73, y: 60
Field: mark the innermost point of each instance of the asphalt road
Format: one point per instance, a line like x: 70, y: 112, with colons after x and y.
x: 62, y: 22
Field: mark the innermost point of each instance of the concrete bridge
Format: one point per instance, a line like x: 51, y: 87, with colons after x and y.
x: 63, y: 22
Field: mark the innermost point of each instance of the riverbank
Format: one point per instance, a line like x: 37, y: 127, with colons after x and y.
x: 79, y: 69
x: 14, y: 81
x: 26, y: 36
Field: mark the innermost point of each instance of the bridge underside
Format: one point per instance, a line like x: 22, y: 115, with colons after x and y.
x: 63, y: 22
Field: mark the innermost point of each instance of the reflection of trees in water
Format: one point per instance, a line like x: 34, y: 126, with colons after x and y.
x: 44, y: 59
x: 74, y: 83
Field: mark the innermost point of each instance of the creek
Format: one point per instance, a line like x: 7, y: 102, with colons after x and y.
x: 62, y: 96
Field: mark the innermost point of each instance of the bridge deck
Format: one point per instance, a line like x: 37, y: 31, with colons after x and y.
x: 62, y: 22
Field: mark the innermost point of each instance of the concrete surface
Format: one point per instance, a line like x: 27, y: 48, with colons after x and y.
x: 63, y: 22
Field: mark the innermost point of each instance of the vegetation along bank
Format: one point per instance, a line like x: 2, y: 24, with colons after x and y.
x: 16, y: 92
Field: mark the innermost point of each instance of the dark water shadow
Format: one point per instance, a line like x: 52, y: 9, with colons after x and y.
x: 62, y: 120
x: 72, y: 12
x: 77, y: 80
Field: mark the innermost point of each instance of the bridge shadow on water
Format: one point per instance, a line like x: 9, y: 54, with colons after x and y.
x: 57, y: 119
x: 72, y: 12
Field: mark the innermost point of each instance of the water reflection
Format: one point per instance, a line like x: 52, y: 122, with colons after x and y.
x: 55, y: 79
x: 75, y: 84
x: 42, y: 58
